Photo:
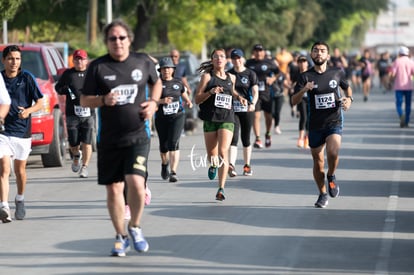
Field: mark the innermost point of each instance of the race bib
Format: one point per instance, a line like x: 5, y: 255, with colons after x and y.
x: 262, y: 86
x: 171, y: 108
x: 325, y: 101
x: 223, y: 101
x: 82, y: 111
x: 126, y: 94
x: 238, y: 107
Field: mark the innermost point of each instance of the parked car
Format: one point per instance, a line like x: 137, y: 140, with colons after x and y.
x: 193, y: 78
x: 48, y: 127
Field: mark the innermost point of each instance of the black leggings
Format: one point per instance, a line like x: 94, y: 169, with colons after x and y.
x: 277, y: 107
x: 244, y: 122
x: 303, y: 112
x: 169, y: 131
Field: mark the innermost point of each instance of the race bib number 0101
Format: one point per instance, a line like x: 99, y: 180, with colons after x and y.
x: 223, y: 101
x: 125, y: 93
x: 325, y: 101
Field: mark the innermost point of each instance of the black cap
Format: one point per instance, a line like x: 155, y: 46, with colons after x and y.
x: 258, y: 47
x: 302, y: 58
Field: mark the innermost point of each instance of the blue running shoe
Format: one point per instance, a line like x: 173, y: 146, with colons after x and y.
x: 121, y: 246
x: 140, y: 244
x: 333, y: 187
x: 212, y: 172
x: 322, y: 201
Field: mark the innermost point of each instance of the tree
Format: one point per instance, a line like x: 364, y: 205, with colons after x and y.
x: 8, y: 8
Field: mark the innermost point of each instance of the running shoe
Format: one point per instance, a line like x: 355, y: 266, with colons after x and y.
x: 127, y: 215
x: 148, y: 195
x: 5, y: 216
x: 76, y: 163
x: 333, y: 187
x: 268, y: 140
x: 121, y: 246
x: 220, y: 195
x: 173, y: 177
x: 402, y: 121
x: 83, y: 172
x: 140, y: 244
x: 322, y: 201
x: 258, y: 144
x: 300, y: 143
x: 20, y: 210
x: 247, y: 170
x: 212, y: 172
x: 277, y: 130
x: 232, y: 171
x: 164, y: 171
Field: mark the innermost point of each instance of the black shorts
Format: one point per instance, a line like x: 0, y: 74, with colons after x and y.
x: 80, y: 129
x: 114, y: 163
x: 264, y: 103
x: 318, y: 137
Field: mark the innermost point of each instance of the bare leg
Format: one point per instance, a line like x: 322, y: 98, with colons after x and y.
x: 116, y: 206
x: 318, y: 167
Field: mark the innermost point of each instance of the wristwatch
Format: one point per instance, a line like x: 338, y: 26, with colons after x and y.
x: 351, y: 98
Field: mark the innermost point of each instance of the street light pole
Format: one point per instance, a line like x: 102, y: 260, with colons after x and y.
x: 5, y: 40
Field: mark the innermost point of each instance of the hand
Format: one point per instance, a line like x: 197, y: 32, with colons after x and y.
x: 148, y: 109
x: 168, y: 99
x: 243, y: 101
x: 110, y: 99
x: 310, y: 85
x: 251, y: 108
x: 23, y: 113
x: 346, y: 103
x: 190, y: 104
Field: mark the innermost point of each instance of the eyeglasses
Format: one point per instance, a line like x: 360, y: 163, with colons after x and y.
x: 174, y: 56
x: 114, y: 38
x: 217, y: 56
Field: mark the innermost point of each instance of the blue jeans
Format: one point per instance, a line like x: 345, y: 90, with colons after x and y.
x: 399, y: 97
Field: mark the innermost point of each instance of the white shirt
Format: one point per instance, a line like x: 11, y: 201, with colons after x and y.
x: 4, y: 94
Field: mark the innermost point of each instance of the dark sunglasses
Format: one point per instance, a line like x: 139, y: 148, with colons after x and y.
x: 114, y: 38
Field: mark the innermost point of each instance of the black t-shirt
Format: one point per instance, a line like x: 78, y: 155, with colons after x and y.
x: 245, y: 80
x: 121, y: 125
x: 325, y: 108
x: 71, y: 84
x: 23, y: 90
x: 263, y: 69
x: 171, y: 88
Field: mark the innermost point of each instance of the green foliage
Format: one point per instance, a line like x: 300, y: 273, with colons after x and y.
x: 8, y: 8
x: 191, y: 24
x: 342, y: 38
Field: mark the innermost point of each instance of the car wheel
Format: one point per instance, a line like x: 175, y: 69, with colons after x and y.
x: 57, y: 149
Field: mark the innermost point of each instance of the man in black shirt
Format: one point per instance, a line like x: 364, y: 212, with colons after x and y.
x: 126, y: 88
x: 324, y: 86
x: 267, y: 72
x: 79, y: 120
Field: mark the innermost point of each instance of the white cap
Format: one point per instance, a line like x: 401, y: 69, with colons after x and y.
x: 403, y: 51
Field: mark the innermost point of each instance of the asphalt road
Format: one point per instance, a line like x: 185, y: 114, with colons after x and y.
x: 267, y: 224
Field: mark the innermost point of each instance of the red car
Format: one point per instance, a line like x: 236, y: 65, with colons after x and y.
x: 48, y: 129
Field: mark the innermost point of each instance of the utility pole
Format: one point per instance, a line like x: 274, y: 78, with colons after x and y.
x: 93, y: 21
x: 108, y: 11
x: 5, y: 40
